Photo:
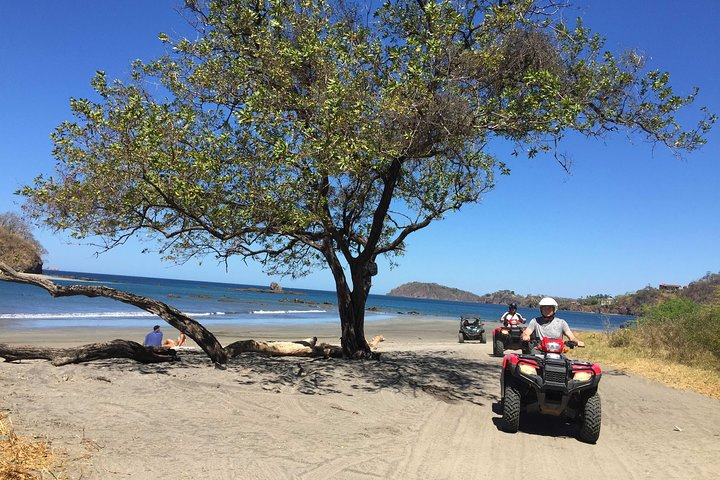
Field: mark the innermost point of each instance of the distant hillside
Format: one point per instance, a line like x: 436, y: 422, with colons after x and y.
x: 440, y: 292
x: 18, y: 248
x: 432, y: 291
x: 704, y: 291
x: 19, y: 253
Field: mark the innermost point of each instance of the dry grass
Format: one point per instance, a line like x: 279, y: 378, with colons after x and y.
x: 25, y: 459
x: 656, y: 365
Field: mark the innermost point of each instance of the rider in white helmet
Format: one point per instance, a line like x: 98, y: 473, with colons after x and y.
x: 548, y: 325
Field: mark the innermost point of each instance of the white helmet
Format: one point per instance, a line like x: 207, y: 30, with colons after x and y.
x: 548, y: 302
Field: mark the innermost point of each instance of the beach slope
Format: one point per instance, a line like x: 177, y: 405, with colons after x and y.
x: 427, y: 410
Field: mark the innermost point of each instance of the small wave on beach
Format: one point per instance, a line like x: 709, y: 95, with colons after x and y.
x: 285, y: 312
x: 38, y: 316
x: 116, y: 319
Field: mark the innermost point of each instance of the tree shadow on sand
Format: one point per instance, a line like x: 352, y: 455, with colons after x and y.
x: 439, y: 374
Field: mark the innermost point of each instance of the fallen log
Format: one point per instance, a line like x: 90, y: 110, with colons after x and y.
x: 89, y: 352
x: 302, y: 348
x: 134, y: 351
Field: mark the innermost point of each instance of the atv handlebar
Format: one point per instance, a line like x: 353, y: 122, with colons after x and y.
x: 535, y: 342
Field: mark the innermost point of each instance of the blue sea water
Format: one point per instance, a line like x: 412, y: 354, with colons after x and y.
x: 26, y: 306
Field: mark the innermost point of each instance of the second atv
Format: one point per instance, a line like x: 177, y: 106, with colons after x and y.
x: 507, y: 337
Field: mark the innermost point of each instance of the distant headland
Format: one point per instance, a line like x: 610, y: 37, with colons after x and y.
x: 703, y: 291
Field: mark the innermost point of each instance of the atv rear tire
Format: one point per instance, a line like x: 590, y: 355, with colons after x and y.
x: 591, y: 419
x: 511, y: 410
x: 498, y: 348
x: 461, y: 338
x: 483, y: 339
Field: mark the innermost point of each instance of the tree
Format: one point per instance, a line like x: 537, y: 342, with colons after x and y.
x: 321, y: 133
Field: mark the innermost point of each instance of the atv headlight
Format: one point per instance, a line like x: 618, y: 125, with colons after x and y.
x: 552, y: 346
x: 527, y: 369
x: 504, y: 331
x: 582, y: 376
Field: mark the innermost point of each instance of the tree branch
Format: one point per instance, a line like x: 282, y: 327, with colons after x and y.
x: 203, y: 337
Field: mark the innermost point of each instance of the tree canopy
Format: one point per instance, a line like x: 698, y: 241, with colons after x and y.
x: 321, y: 133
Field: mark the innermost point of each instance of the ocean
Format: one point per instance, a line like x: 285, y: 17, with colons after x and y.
x: 27, y: 306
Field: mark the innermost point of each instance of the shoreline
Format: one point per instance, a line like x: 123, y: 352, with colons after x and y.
x: 401, y: 328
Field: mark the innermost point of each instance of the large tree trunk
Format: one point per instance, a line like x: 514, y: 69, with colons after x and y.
x: 351, y: 302
x: 352, y: 321
x: 171, y: 315
x: 351, y: 307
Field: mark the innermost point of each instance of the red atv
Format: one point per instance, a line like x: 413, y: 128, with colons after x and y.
x: 507, y: 337
x: 548, y: 382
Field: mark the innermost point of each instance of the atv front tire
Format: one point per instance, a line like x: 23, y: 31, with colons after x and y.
x: 591, y: 419
x: 461, y: 338
x: 483, y: 339
x: 498, y: 348
x: 511, y: 410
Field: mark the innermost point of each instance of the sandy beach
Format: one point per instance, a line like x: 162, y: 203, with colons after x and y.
x: 428, y: 409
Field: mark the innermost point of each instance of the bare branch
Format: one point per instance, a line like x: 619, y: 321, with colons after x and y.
x: 204, y: 338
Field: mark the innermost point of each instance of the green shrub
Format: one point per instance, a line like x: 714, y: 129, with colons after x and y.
x: 622, y: 337
x: 673, y: 311
x: 676, y: 329
x: 707, y: 328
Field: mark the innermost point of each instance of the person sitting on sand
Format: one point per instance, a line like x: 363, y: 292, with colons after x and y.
x: 181, y: 341
x: 154, y: 338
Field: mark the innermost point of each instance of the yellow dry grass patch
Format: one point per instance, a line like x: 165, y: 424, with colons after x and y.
x: 24, y: 459
x: 644, y: 363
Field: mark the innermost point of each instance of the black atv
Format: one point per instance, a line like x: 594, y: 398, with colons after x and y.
x: 471, y: 328
x: 548, y: 382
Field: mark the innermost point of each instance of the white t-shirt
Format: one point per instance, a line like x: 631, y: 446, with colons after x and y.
x: 507, y: 316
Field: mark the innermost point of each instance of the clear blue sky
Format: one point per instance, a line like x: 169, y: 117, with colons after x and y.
x: 629, y: 215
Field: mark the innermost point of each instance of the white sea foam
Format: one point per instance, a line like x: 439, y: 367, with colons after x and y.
x: 42, y: 316
x: 110, y: 315
x: 284, y: 312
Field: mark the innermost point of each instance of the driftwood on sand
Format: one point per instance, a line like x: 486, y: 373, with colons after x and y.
x: 133, y: 350
x: 88, y: 353
x: 302, y: 348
